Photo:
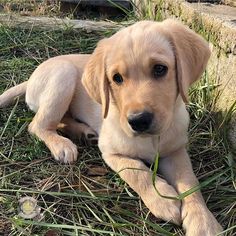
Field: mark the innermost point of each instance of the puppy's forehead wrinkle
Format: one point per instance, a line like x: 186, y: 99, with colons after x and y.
x: 141, y: 85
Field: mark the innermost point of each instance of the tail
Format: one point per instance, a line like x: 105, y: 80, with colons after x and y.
x: 11, y: 94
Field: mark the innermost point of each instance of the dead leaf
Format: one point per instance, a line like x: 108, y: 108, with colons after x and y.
x: 52, y: 232
x: 97, y: 171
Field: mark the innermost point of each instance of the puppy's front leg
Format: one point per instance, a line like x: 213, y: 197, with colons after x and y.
x: 197, y: 219
x: 139, y: 178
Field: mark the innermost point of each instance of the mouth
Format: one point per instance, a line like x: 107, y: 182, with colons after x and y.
x: 146, y: 133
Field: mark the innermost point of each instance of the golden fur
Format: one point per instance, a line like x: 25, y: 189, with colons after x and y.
x: 57, y: 94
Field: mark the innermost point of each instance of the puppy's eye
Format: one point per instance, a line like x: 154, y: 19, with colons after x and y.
x: 117, y: 78
x: 159, y: 71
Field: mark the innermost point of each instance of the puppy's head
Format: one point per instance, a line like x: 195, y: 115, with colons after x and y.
x: 142, y: 69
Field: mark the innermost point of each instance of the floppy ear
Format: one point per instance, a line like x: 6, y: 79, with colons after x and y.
x: 94, y: 77
x: 191, y: 54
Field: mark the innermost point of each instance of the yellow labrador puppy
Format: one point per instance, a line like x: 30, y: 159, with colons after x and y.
x: 132, y: 95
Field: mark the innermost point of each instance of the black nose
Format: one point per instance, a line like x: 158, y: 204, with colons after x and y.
x: 141, y: 121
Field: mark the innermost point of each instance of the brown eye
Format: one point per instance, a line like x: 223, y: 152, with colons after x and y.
x: 117, y: 78
x: 159, y: 71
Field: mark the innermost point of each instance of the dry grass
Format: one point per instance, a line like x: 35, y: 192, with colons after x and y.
x: 31, y: 7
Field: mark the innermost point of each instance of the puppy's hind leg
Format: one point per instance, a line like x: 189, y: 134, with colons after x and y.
x: 77, y: 130
x: 54, y: 102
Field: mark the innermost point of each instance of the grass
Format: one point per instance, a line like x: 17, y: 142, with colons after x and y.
x: 87, y: 198
x: 32, y: 7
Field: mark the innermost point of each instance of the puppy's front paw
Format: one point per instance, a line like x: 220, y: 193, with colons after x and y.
x: 199, y: 221
x: 63, y: 150
x: 163, y: 208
